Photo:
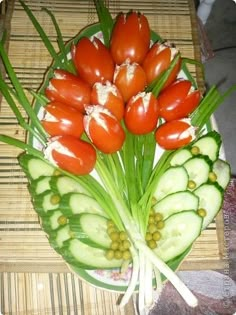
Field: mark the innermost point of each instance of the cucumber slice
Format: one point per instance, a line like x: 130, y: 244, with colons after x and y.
x: 65, y: 185
x: 58, y: 237
x: 172, y: 180
x: 209, y: 145
x: 223, y: 172
x: 91, y: 229
x: 176, y: 202
x: 43, y: 203
x: 81, y: 255
x: 95, y: 226
x: 40, y: 185
x: 198, y: 169
x: 78, y: 233
x: 79, y: 203
x: 211, y: 199
x: 180, y: 157
x: 34, y: 167
x: 51, y: 222
x: 180, y: 231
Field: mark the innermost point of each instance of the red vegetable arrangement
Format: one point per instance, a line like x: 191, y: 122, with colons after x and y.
x: 116, y: 100
x: 108, y: 95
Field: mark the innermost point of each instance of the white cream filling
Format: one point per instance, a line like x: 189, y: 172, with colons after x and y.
x: 57, y: 146
x: 131, y: 67
x: 103, y: 91
x: 188, y: 132
x: 94, y: 112
x: 145, y: 99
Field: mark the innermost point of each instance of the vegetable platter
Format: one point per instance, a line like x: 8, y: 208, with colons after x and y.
x: 113, y: 193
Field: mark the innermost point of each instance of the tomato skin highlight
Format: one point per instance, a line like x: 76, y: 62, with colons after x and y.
x: 103, y: 129
x: 71, y: 154
x: 141, y: 114
x: 177, y: 101
x: 61, y: 119
x: 69, y: 89
x: 130, y: 38
x: 93, y: 60
x: 109, y: 96
x: 158, y: 59
x: 174, y: 134
x: 130, y: 79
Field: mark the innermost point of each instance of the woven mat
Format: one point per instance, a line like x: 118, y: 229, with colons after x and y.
x: 34, y: 279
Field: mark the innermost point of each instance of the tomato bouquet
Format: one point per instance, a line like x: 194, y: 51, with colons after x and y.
x: 119, y: 159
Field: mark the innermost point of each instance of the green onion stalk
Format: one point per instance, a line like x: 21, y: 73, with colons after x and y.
x: 125, y: 197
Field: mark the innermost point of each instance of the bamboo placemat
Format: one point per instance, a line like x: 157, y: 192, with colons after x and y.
x: 29, y: 266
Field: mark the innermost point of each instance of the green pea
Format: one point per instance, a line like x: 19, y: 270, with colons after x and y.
x: 126, y: 255
x: 126, y: 244
x: 115, y: 245
x: 160, y: 225
x: 158, y: 216
x: 123, y: 236
x: 148, y: 236
x: 152, y: 228
x: 62, y: 220
x: 55, y: 199
x: 156, y: 236
x: 212, y: 177
x: 110, y: 254
x: 152, y: 244
x: 191, y: 184
x: 114, y: 236
x: 195, y: 150
x: 202, y: 212
x: 118, y: 254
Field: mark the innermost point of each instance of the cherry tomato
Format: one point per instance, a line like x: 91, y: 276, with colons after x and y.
x: 61, y: 119
x: 158, y: 59
x: 71, y: 154
x: 141, y: 113
x: 130, y: 38
x: 68, y: 89
x: 130, y: 79
x: 103, y: 129
x: 178, y: 100
x: 174, y: 134
x: 93, y: 60
x: 109, y: 96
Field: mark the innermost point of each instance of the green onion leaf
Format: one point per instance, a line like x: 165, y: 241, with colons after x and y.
x: 59, y: 35
x: 42, y: 34
x: 105, y: 19
x: 21, y: 145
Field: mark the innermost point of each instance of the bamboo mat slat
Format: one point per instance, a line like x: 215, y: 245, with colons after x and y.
x: 34, y: 279
x: 54, y: 293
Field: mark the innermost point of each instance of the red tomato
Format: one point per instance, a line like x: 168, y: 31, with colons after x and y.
x: 130, y: 79
x: 68, y: 89
x: 109, y: 96
x: 71, y: 154
x: 157, y: 60
x: 103, y: 129
x: 130, y: 38
x: 61, y: 74
x: 61, y: 119
x: 93, y: 60
x: 174, y: 134
x: 178, y: 100
x: 141, y: 113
